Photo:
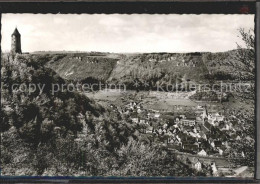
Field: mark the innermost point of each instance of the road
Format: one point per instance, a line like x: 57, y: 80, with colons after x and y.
x: 220, y: 161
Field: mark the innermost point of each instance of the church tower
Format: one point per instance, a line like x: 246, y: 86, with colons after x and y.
x: 16, y: 42
x: 205, y: 113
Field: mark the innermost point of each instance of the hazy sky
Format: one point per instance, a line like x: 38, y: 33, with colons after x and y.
x: 125, y: 33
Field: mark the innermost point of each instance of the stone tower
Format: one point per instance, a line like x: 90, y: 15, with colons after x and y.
x: 16, y: 42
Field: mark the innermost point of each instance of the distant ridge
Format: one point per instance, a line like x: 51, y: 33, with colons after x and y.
x: 152, y: 68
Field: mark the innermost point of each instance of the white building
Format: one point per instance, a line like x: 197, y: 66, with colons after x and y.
x: 220, y: 152
x: 135, y: 120
x: 156, y: 115
x: 197, y: 166
x: 202, y: 153
x: 214, y: 169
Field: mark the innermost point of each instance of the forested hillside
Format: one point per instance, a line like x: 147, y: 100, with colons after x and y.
x: 65, y: 133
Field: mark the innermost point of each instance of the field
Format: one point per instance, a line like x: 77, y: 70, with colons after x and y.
x: 151, y: 100
x: 162, y: 101
x: 106, y: 95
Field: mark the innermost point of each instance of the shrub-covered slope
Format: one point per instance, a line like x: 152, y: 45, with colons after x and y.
x: 150, y: 70
x: 225, y: 66
x: 159, y: 69
x: 81, y: 66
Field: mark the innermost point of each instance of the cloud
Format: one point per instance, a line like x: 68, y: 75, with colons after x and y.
x: 125, y: 33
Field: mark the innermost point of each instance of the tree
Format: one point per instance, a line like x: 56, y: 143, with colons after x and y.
x: 246, y: 66
x: 247, y: 55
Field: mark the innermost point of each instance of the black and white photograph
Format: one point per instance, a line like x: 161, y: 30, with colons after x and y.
x: 128, y: 95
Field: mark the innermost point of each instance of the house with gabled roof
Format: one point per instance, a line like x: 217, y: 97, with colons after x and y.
x: 202, y: 153
x: 194, y: 163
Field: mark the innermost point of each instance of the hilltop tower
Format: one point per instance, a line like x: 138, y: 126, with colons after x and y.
x: 16, y: 42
